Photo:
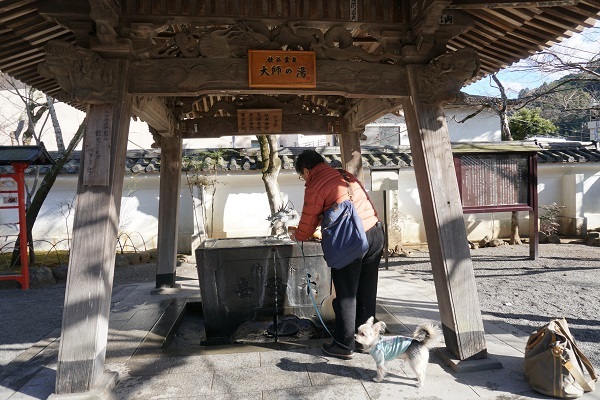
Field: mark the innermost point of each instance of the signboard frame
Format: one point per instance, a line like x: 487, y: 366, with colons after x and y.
x: 260, y: 121
x: 282, y: 69
x: 488, y: 176
x: 529, y: 180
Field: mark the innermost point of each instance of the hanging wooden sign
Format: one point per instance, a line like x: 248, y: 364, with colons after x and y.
x: 259, y: 121
x: 282, y: 69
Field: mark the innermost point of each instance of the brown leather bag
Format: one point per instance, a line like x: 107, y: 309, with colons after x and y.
x: 554, y: 365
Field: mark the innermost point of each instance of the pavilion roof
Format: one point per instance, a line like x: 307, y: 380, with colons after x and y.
x: 502, y: 32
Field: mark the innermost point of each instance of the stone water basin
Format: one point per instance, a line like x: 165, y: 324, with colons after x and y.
x: 250, y: 279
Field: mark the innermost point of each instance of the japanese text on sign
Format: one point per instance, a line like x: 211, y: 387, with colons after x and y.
x: 493, y: 180
x: 446, y: 19
x: 281, y: 69
x: 259, y: 121
x: 97, y: 148
x: 353, y: 10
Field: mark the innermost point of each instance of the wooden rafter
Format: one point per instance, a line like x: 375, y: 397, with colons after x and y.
x: 503, y: 31
x: 478, y: 4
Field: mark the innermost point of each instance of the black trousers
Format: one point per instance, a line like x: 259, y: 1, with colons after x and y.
x: 356, y: 289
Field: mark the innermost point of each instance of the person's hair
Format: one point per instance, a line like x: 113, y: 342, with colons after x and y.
x: 308, y: 159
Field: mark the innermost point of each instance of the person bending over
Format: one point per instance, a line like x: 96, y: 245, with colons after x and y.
x: 356, y: 283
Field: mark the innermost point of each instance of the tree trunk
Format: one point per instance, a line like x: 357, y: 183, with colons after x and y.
x: 14, y: 136
x: 57, y: 131
x: 40, y: 195
x: 50, y: 177
x: 33, y: 117
x: 270, y: 172
x: 504, y: 127
x: 506, y: 135
x: 514, y: 229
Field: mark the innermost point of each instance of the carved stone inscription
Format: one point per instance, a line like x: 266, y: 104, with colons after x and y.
x: 97, y: 147
x: 247, y: 279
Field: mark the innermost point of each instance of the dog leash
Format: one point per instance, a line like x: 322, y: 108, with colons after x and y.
x: 312, y: 298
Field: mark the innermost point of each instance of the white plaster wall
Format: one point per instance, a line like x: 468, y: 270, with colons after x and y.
x: 138, y: 228
x: 391, y: 129
x: 241, y: 207
x: 483, y: 128
x: 226, y: 142
x: 305, y: 140
x: 551, y: 188
x: 583, y: 204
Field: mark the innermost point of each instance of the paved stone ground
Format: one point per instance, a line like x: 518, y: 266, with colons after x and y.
x: 27, y: 316
x: 563, y: 282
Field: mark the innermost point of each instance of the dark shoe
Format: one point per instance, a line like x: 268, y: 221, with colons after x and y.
x: 336, y: 350
x: 360, y: 349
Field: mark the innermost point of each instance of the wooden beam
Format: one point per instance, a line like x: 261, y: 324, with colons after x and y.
x: 168, y: 211
x: 228, y: 126
x: 193, y: 77
x: 106, y: 19
x: 568, y: 15
x: 83, y: 340
x: 72, y: 14
x: 351, y: 155
x: 11, y: 6
x: 155, y: 113
x: 365, y: 111
x: 482, y: 4
x: 444, y: 224
x: 425, y: 19
x: 65, y: 10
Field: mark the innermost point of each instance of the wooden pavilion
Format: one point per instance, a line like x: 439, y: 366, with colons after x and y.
x: 189, y: 69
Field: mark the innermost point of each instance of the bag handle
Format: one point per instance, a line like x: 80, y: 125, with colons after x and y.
x: 585, y: 385
x: 350, y: 192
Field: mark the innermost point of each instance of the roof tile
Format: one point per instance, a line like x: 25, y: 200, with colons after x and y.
x: 148, y: 161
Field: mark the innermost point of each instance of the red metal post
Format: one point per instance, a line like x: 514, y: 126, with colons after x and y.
x: 19, y: 177
x: 24, y: 250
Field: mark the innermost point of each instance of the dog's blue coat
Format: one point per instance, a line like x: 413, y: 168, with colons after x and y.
x: 389, y: 348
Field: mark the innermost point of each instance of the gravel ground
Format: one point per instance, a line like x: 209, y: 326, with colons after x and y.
x: 563, y: 282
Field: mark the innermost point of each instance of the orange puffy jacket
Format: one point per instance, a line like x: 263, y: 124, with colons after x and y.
x: 325, y: 186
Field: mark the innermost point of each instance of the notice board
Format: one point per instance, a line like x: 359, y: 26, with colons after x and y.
x: 499, y: 178
x: 496, y: 181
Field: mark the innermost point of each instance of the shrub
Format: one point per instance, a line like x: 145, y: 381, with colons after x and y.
x: 548, y: 221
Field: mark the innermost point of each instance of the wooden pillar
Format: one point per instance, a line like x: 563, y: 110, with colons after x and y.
x: 443, y: 218
x: 351, y: 158
x: 168, y: 211
x: 534, y: 237
x: 84, y: 334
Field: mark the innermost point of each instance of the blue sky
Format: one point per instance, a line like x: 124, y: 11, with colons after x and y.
x: 525, y: 74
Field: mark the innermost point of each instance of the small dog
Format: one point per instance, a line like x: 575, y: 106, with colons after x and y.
x: 413, y: 349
